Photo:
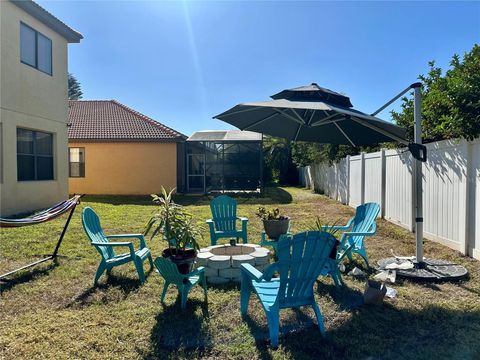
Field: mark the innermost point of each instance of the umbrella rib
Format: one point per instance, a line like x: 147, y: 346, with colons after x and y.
x: 344, y: 134
x: 298, y: 131
x: 239, y: 111
x: 259, y: 121
x: 288, y: 116
x: 298, y: 116
x: 381, y: 131
x: 324, y: 120
x: 311, y: 117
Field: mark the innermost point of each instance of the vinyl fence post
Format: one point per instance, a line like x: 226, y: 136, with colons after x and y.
x: 362, y: 180
x: 347, y: 178
x: 383, y: 183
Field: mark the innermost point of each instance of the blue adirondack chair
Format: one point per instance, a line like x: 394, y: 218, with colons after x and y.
x: 93, y: 229
x: 224, y: 220
x: 361, y: 225
x: 300, y: 261
x: 184, y: 283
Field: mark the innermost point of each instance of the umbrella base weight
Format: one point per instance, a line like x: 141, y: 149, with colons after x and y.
x: 429, y: 270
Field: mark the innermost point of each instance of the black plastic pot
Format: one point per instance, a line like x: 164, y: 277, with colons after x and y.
x: 275, y: 228
x: 184, y: 259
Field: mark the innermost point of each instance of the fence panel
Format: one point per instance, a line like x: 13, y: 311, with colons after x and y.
x: 474, y: 209
x: 355, y: 181
x: 373, y: 177
x: 444, y: 193
x: 398, y: 188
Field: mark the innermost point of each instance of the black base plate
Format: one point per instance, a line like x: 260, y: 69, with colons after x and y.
x: 429, y: 270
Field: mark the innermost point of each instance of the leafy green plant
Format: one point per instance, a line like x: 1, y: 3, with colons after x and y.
x: 318, y: 226
x: 172, y: 221
x: 270, y: 214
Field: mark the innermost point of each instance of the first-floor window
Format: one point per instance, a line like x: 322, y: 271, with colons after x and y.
x: 76, y: 160
x: 34, y: 155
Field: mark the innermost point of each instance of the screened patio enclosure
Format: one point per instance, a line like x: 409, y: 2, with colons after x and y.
x: 223, y: 161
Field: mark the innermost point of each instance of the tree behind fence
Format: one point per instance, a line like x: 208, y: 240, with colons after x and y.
x: 451, y: 183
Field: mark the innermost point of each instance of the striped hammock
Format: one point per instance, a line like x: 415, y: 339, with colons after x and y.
x: 42, y: 216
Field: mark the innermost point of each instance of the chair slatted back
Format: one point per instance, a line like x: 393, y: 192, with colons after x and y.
x: 300, y: 261
x: 168, y: 270
x: 93, y: 229
x: 365, y: 216
x: 224, y: 213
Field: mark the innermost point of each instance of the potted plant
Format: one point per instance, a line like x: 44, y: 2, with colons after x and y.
x: 330, y: 229
x: 178, y: 229
x: 273, y: 223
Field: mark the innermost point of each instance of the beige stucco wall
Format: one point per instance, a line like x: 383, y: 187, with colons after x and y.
x: 34, y: 100
x: 116, y: 168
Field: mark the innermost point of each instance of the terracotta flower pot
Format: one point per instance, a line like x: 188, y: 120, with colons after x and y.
x: 275, y: 228
x: 184, y: 259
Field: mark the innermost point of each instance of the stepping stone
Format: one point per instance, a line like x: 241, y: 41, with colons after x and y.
x: 238, y: 260
x: 219, y: 261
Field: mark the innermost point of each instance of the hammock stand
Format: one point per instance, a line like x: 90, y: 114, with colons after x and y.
x: 43, y: 216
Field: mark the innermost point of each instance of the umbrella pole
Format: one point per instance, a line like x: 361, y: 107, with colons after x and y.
x: 418, y: 193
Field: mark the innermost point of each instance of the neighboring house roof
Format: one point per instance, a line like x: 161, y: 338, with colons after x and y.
x: 49, y: 20
x: 225, y: 135
x: 108, y: 120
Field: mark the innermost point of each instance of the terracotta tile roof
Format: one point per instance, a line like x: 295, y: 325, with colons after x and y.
x: 98, y: 120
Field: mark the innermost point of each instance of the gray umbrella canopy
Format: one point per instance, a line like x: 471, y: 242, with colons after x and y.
x: 299, y: 115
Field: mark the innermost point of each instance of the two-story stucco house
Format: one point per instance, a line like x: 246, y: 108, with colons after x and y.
x: 34, y: 107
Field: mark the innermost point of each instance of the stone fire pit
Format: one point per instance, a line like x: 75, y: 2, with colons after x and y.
x: 222, y: 262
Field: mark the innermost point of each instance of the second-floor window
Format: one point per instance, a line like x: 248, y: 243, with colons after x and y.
x: 35, y: 49
x: 34, y: 155
x: 76, y: 160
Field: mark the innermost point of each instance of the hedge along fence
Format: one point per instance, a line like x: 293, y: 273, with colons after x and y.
x: 451, y: 189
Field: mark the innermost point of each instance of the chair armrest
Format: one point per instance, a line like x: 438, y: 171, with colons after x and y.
x: 117, y: 244
x: 211, y: 226
x: 370, y: 232
x: 339, y: 227
x: 251, y: 272
x: 244, y: 222
x: 129, y: 236
x: 198, y: 271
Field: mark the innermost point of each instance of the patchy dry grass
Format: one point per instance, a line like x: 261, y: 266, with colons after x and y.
x: 54, y: 312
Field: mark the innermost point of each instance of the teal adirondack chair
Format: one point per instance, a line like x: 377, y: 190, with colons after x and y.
x: 224, y: 220
x: 361, y: 225
x: 184, y: 283
x: 300, y: 261
x: 93, y: 229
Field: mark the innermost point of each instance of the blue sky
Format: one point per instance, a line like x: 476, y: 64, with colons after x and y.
x: 183, y: 62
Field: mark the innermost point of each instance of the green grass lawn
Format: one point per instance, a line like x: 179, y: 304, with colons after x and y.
x: 53, y: 312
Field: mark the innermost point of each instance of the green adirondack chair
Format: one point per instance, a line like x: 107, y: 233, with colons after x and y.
x: 184, y: 283
x: 93, y: 229
x: 224, y: 220
x: 300, y: 261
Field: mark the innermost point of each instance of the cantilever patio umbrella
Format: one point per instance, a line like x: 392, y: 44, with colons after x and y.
x: 312, y: 113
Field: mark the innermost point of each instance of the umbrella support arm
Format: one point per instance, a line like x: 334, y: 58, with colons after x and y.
x: 395, y: 98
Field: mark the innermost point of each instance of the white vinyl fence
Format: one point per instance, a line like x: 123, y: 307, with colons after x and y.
x: 451, y: 189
